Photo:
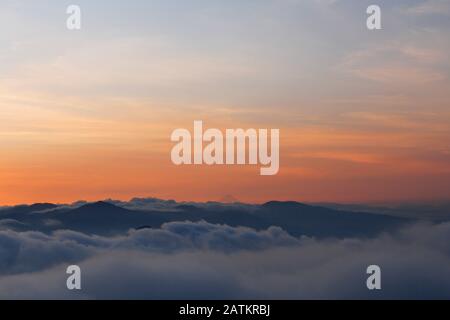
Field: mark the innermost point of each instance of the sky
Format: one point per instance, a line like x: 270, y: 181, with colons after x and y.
x: 364, y: 116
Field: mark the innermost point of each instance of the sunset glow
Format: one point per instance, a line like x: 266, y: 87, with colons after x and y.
x: 88, y: 115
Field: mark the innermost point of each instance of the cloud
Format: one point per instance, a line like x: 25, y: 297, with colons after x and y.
x: 396, y: 64
x: 430, y: 7
x: 153, y: 204
x: 194, y: 261
x: 8, y: 224
x: 33, y: 251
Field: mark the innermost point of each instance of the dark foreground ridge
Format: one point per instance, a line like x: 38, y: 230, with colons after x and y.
x: 109, y: 217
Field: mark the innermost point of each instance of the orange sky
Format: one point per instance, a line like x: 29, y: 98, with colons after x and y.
x: 90, y: 160
x: 87, y: 115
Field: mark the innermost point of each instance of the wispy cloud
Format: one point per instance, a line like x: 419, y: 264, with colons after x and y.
x: 396, y: 64
x: 430, y: 7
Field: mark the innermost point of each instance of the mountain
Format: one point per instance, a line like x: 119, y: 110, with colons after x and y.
x: 25, y: 209
x: 106, y: 218
x: 434, y: 211
x: 301, y: 219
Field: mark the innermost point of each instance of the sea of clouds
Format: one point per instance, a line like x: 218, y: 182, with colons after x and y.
x: 185, y: 260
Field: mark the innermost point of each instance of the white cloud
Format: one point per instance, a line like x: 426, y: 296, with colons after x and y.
x: 412, y: 265
x: 33, y: 251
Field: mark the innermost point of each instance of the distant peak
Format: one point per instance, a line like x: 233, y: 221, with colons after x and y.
x: 104, y: 203
x: 100, y: 204
x: 274, y: 203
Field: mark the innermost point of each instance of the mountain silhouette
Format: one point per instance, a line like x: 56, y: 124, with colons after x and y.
x: 106, y: 218
x: 23, y: 209
x: 99, y: 209
x: 301, y: 219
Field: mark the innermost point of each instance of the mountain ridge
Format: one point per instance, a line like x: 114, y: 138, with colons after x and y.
x: 114, y: 217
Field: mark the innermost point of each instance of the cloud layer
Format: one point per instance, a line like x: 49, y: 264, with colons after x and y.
x: 200, y: 260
